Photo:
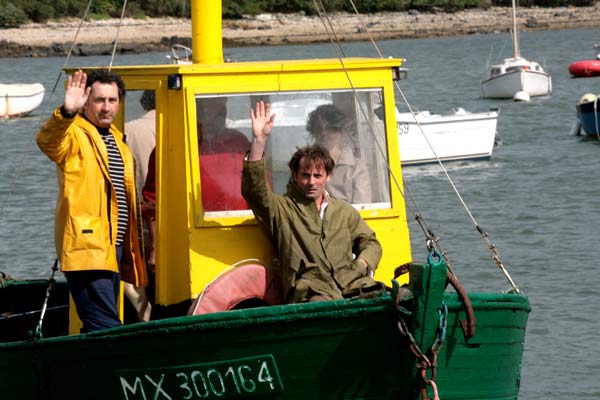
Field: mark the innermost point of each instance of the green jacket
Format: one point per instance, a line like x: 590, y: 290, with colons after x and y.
x: 86, y: 209
x: 315, y: 256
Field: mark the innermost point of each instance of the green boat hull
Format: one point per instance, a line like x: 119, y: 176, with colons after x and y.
x: 347, y: 349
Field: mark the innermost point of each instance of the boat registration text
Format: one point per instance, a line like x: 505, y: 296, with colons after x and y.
x: 230, y: 379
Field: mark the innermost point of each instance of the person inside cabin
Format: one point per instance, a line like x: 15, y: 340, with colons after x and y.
x: 140, y: 137
x: 350, y: 179
x: 96, y: 228
x: 325, y: 249
x: 221, y: 152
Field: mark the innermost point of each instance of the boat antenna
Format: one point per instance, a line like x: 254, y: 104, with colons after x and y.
x: 432, y: 239
x: 515, y: 31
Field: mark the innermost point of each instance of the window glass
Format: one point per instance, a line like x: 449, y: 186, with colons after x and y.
x: 344, y: 122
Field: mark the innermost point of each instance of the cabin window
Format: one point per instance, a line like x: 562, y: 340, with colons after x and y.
x: 353, y: 133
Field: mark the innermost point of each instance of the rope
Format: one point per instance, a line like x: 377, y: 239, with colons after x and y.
x: 468, y: 325
x: 336, y: 44
x: 27, y: 313
x: 51, y: 281
x: 431, y: 238
x: 114, y: 50
x: 44, y: 112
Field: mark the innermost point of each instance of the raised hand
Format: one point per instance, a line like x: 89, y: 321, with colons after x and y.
x: 262, y: 125
x: 262, y: 120
x: 76, y: 93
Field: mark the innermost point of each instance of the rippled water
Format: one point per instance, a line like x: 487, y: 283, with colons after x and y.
x: 537, y: 197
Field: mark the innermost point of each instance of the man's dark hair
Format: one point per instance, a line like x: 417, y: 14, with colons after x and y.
x: 316, y: 154
x: 326, y: 116
x: 106, y: 76
x: 148, y: 100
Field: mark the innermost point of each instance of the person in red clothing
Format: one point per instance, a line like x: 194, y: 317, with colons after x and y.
x: 221, y: 155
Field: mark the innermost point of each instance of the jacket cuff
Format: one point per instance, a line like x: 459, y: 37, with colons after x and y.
x: 65, y: 114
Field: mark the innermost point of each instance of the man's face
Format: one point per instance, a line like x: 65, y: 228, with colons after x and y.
x: 213, y: 116
x: 311, y: 178
x: 330, y: 138
x: 103, y: 104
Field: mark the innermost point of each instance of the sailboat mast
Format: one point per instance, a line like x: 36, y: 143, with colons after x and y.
x: 207, y: 26
x: 515, y: 32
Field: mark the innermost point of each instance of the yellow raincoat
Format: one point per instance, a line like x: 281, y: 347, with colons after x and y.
x: 86, y: 208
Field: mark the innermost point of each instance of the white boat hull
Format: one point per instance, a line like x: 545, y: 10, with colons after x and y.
x: 513, y: 76
x: 20, y: 99
x: 507, y: 85
x: 458, y: 136
x: 461, y: 136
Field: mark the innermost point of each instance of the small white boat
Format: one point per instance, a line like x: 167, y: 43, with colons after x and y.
x: 515, y: 75
x: 424, y: 137
x: 516, y: 78
x: 460, y: 135
x: 19, y: 99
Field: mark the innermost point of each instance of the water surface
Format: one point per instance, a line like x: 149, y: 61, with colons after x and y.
x: 537, y: 197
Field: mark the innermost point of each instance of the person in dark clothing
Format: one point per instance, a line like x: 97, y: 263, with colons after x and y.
x: 325, y: 249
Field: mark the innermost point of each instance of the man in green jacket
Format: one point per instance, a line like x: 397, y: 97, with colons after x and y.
x: 325, y: 249
x: 96, y: 227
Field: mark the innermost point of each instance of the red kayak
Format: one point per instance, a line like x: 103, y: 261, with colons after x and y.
x: 585, y: 68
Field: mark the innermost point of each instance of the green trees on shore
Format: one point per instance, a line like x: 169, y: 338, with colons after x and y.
x: 17, y: 12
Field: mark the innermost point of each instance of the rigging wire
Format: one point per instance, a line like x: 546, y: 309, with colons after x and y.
x: 44, y: 111
x: 114, y: 50
x: 432, y: 239
x: 335, y: 42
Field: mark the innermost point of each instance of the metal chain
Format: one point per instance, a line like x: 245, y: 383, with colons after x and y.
x: 425, y: 363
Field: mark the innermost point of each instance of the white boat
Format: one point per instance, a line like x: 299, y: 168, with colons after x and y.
x: 424, y: 137
x: 19, y: 99
x: 516, y: 78
x: 460, y: 135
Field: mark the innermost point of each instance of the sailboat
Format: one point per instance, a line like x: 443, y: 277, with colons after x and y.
x: 219, y: 328
x: 516, y: 78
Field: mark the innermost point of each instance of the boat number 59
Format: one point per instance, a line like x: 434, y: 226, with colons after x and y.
x: 402, y: 128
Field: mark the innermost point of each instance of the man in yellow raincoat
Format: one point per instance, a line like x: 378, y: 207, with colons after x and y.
x: 96, y: 228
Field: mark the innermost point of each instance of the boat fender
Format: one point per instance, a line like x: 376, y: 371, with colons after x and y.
x: 521, y: 96
x: 245, y: 282
x: 587, y: 98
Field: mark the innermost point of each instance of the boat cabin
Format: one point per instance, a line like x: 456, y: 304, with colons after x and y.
x: 203, y: 226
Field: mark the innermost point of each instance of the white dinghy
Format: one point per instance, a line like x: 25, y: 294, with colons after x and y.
x: 19, y: 99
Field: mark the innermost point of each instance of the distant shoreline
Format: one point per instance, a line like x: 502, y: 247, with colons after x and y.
x: 158, y: 34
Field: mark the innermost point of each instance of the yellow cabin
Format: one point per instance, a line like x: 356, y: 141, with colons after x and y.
x: 200, y: 233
